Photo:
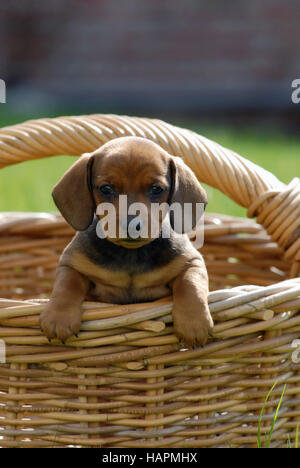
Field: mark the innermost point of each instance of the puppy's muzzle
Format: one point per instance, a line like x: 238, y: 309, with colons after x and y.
x: 133, y: 228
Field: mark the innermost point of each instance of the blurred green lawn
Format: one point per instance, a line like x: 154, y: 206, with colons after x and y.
x: 27, y: 186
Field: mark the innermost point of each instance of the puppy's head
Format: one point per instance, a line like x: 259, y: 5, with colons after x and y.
x: 132, y: 170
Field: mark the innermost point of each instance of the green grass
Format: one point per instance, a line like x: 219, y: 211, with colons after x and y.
x: 268, y: 437
x: 266, y: 442
x: 277, y: 152
x: 27, y: 186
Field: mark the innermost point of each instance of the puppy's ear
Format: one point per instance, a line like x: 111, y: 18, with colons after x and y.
x: 185, y: 188
x: 73, y: 194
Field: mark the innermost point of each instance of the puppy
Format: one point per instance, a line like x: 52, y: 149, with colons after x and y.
x: 132, y: 268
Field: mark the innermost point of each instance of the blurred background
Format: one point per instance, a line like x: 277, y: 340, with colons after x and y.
x: 223, y: 69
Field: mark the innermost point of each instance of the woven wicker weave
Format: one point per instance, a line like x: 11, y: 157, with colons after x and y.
x: 125, y: 381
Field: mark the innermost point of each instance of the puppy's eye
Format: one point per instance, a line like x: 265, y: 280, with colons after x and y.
x: 107, y: 190
x: 156, y: 190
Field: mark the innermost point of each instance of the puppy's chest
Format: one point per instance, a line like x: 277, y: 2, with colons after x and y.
x: 135, y: 278
x: 120, y: 275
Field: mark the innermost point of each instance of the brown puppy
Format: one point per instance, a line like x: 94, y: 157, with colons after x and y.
x: 128, y: 269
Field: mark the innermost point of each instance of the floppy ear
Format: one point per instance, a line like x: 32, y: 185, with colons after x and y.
x: 185, y: 188
x: 73, y: 196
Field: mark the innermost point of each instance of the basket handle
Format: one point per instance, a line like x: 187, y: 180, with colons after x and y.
x: 276, y: 204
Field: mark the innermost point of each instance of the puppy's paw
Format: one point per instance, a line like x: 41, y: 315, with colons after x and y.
x: 60, y: 322
x: 193, y: 325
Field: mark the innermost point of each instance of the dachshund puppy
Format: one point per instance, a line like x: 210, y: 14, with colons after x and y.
x: 126, y: 269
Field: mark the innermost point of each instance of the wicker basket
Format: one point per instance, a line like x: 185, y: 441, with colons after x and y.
x: 125, y: 381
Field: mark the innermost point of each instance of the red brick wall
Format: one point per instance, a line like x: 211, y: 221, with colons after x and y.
x: 153, y: 52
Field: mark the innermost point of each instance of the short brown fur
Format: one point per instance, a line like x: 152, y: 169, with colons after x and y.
x: 131, y: 165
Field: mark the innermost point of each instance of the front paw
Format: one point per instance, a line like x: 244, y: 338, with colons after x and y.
x: 193, y: 324
x: 60, y: 322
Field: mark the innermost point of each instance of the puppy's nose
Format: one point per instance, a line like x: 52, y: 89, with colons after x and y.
x: 134, y: 226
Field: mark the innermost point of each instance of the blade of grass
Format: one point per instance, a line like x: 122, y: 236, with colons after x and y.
x: 297, y: 437
x: 275, y: 417
x: 259, y: 444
